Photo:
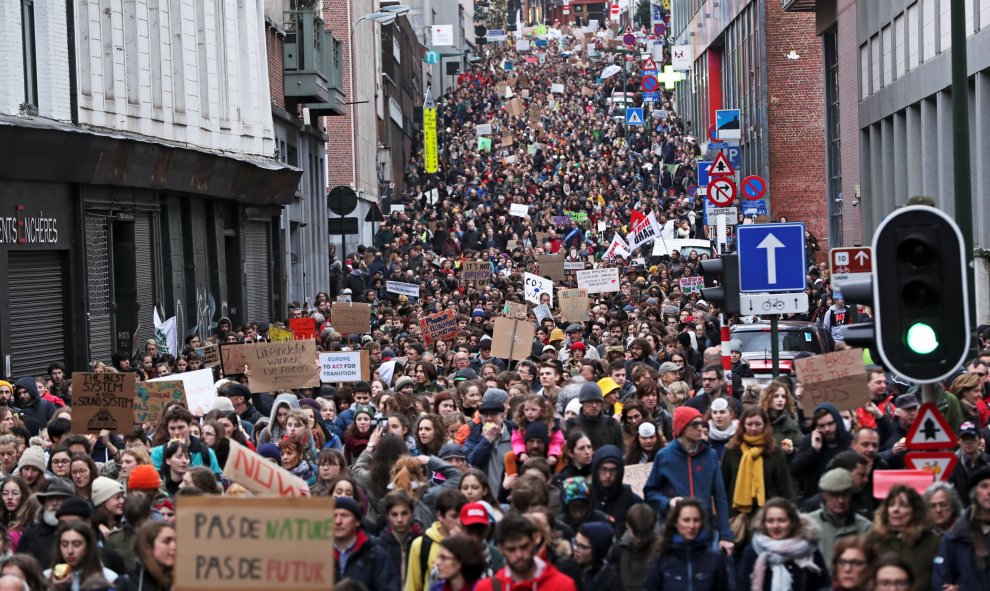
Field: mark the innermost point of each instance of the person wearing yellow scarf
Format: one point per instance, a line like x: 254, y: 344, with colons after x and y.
x: 754, y: 468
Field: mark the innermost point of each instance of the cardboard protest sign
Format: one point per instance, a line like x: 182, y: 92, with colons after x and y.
x: 691, y: 284
x: 534, y: 112
x: 573, y: 304
x: 102, y: 401
x: 347, y: 318
x: 513, y: 339
x: 252, y: 544
x: 635, y: 476
x: 407, y: 289
x: 199, y: 386
x: 599, y: 280
x: 509, y: 160
x: 525, y: 93
x: 277, y: 334
x: 516, y: 107
x: 542, y: 311
x: 535, y: 287
x: 232, y: 358
x: 258, y: 475
x: 587, y: 91
x: 480, y: 271
x: 838, y: 378
x: 441, y: 326
x: 150, y: 399
x: 303, y: 328
x: 515, y: 310
x: 520, y: 210
x: 507, y: 140
x: 345, y: 366
x: 210, y: 355
x: 542, y: 238
x: 552, y: 266
x: 557, y: 88
x: 483, y: 129
x: 277, y: 367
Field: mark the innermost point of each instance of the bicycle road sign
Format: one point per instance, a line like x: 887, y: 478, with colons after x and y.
x: 773, y: 303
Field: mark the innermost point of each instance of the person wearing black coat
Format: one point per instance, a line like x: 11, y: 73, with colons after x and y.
x: 608, y: 494
x: 587, y: 566
x: 685, y: 560
x: 28, y: 400
x: 812, y: 458
x: 592, y: 421
x: 356, y: 555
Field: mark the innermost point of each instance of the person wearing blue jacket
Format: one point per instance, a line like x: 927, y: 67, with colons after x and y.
x: 685, y: 560
x: 688, y: 467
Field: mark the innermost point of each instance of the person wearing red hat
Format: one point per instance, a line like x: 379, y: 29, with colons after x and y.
x: 577, y: 351
x: 689, y: 467
x: 476, y: 523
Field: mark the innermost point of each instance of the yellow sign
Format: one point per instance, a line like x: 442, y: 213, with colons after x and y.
x: 279, y: 335
x: 666, y: 5
x: 430, y: 159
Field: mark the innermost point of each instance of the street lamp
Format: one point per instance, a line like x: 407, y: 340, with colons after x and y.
x: 396, y: 9
x: 383, y: 18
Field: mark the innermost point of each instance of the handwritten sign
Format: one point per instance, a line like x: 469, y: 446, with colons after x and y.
x: 520, y: 210
x: 210, y: 355
x: 260, y: 476
x: 552, y: 266
x: 151, y: 398
x: 277, y: 367
x: 441, y: 326
x: 599, y: 280
x: 691, y: 284
x: 199, y: 385
x: 102, y: 401
x: 838, y: 378
x: 483, y: 129
x: 406, y: 289
x: 573, y: 304
x: 303, y: 328
x: 571, y: 267
x: 232, y: 358
x: 480, y: 271
x: 350, y: 318
x: 277, y: 334
x: 515, y: 310
x: 635, y: 476
x: 345, y: 366
x: 542, y: 311
x: 516, y: 107
x: 535, y: 287
x: 513, y: 338
x: 251, y: 544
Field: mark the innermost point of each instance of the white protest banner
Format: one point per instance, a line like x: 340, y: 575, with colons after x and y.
x: 261, y: 476
x: 557, y: 88
x: 574, y: 265
x: 522, y: 44
x: 599, y: 280
x: 344, y: 366
x: 542, y: 311
x: 618, y: 248
x: 165, y: 335
x: 483, y: 129
x: 406, y: 289
x: 536, y: 287
x: 520, y: 210
x: 644, y: 231
x: 635, y: 476
x: 691, y: 284
x: 199, y: 387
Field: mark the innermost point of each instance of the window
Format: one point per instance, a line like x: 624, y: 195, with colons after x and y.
x: 30, y: 55
x: 875, y: 79
x: 899, y: 62
x: 864, y: 70
x: 913, y: 37
x: 928, y: 29
x: 945, y: 25
x: 886, y: 70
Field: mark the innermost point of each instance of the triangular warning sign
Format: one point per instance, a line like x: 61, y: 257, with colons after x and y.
x: 628, y: 30
x: 649, y: 64
x: 720, y: 166
x: 939, y: 463
x: 930, y: 430
x: 633, y: 118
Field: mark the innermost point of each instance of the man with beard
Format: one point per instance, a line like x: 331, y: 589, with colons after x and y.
x: 516, y: 539
x: 35, y: 412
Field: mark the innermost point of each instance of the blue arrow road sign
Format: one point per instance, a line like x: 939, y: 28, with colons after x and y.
x: 634, y: 115
x: 771, y: 257
x: 703, y: 178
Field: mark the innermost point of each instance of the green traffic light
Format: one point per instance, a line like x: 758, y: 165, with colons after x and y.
x: 921, y: 338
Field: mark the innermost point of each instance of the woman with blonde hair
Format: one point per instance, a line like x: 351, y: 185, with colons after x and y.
x: 677, y: 394
x: 130, y: 459
x: 410, y: 474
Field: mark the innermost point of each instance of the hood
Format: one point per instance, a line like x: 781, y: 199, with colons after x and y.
x: 600, y: 534
x: 607, y: 452
x: 284, y: 399
x: 28, y: 384
x: 843, y: 438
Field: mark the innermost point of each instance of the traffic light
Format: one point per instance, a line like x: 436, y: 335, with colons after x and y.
x: 860, y: 334
x: 723, y: 272
x: 921, y: 308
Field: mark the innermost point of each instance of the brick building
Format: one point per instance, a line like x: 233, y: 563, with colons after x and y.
x: 752, y: 56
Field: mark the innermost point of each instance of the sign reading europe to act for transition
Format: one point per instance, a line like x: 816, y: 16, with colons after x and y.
x: 601, y: 280
x: 344, y: 366
x: 407, y: 289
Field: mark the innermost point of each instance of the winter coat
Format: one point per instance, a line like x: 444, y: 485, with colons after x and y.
x: 367, y: 564
x: 786, y: 426
x: 273, y: 433
x: 547, y: 578
x: 776, y: 479
x: 615, y: 500
x: 601, y: 430
x: 631, y: 559
x: 418, y: 579
x: 919, y: 554
x: 676, y: 473
x: 490, y: 457
x: 803, y: 579
x: 397, y: 552
x: 39, y: 410
x: 809, y: 464
x: 137, y: 579
x: 956, y: 562
x: 833, y: 528
x: 600, y: 576
x: 688, y: 566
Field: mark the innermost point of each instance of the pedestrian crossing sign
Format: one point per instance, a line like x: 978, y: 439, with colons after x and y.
x: 634, y: 115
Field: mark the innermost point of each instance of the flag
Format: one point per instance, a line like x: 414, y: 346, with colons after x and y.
x: 618, y: 248
x: 643, y: 231
x: 166, y: 335
x: 636, y: 217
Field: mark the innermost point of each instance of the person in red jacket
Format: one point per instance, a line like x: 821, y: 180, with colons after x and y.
x: 523, y: 571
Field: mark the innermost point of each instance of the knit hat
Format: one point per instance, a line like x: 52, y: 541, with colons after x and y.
x: 311, y: 403
x: 590, y: 392
x: 682, y: 416
x: 236, y: 389
x: 34, y: 457
x: 144, y: 477
x: 978, y: 476
x: 579, y: 346
x: 720, y: 404
x: 364, y: 408
x: 556, y: 335
x: 403, y: 382
x: 7, y: 384
x: 348, y: 504
x: 270, y: 451
x: 647, y: 429
x: 223, y: 404
x: 537, y: 430
x: 75, y: 507
x: 573, y: 489
x: 104, y: 489
x: 573, y: 406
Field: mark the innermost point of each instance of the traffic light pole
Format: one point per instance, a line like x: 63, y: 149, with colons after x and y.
x: 960, y: 151
x: 774, y: 345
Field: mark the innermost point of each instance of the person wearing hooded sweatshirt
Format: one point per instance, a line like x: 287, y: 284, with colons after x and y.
x: 688, y: 467
x: 37, y: 412
x: 588, y: 566
x: 524, y: 570
x: 600, y: 429
x: 178, y: 419
x: 811, y: 460
x: 631, y: 553
x: 275, y: 430
x: 575, y: 496
x: 608, y: 494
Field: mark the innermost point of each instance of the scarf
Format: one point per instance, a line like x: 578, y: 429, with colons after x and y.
x: 749, y: 480
x: 716, y: 434
x: 776, y: 553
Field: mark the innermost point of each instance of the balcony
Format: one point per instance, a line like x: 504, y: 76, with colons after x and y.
x: 312, y: 65
x: 798, y: 5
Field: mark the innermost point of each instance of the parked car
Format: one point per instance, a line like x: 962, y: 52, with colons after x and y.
x: 793, y: 337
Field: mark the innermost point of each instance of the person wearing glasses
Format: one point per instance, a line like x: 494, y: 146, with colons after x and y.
x: 893, y: 573
x: 689, y: 467
x: 854, y: 558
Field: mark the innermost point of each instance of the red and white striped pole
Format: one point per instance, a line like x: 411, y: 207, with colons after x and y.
x: 726, y: 354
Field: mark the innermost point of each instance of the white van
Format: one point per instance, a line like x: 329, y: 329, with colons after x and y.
x: 663, y: 247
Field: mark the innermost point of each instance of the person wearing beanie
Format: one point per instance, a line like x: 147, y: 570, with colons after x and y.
x: 270, y: 452
x: 689, y: 467
x: 31, y: 467
x: 356, y: 555
x: 592, y: 420
x: 575, y: 496
x: 108, y: 499
x: 588, y: 565
x: 144, y: 478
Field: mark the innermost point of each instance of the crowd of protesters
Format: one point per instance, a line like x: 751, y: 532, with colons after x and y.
x: 456, y: 470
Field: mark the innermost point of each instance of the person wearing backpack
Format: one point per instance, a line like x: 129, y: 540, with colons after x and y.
x: 421, y: 574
